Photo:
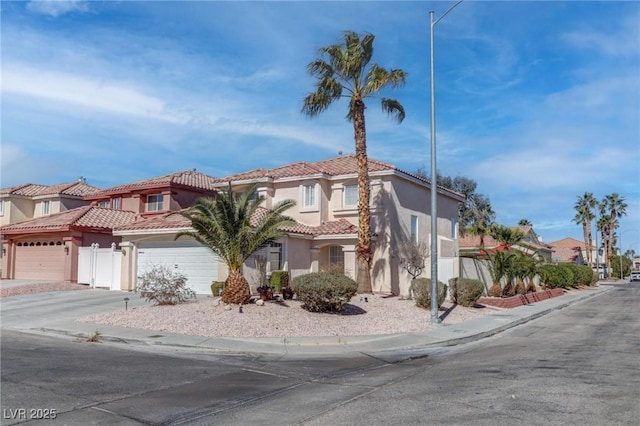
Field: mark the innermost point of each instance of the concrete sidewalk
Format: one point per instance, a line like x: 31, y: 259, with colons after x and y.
x: 394, y: 347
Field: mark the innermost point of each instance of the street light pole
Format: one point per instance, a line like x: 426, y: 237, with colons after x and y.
x: 435, y: 318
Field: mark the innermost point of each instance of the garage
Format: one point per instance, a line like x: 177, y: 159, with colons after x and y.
x: 40, y: 260
x: 189, y: 258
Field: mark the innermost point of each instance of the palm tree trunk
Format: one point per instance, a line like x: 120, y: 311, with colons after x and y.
x: 364, y: 215
x: 236, y: 288
x: 585, y: 234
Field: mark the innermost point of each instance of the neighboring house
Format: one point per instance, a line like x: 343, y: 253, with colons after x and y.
x: 575, y: 251
x: 470, y: 250
x: 470, y: 244
x: 25, y: 202
x: 89, y: 225
x: 46, y: 248
x: 327, y: 215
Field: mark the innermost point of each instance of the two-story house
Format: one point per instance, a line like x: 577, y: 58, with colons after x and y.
x: 47, y: 246
x: 325, y: 237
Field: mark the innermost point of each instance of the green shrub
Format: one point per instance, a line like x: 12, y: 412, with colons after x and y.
x: 216, y: 286
x: 556, y: 276
x: 465, y: 291
x: 324, y: 291
x: 164, y: 286
x: 278, y: 280
x: 422, y: 291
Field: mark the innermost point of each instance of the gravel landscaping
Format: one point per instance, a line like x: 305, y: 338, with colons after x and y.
x: 208, y: 317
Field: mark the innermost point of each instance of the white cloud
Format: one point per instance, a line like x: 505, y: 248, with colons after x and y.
x: 114, y: 97
x: 623, y: 42
x: 56, y: 8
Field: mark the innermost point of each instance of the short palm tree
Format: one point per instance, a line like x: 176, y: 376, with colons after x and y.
x: 499, y: 266
x: 507, y: 236
x: 232, y: 226
x: 343, y: 71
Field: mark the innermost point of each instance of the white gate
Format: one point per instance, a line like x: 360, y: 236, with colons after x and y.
x: 100, y: 267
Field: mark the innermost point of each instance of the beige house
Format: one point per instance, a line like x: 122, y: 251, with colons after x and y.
x: 325, y: 237
x: 29, y: 201
x: 138, y: 217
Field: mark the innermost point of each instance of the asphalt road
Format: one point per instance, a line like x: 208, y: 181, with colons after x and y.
x: 580, y: 365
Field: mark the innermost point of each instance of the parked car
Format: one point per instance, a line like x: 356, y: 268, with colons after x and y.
x: 635, y: 276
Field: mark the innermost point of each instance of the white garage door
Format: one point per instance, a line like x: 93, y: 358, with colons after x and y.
x: 189, y: 258
x: 40, y: 260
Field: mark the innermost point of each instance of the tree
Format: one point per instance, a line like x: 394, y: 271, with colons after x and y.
x: 585, y: 206
x: 505, y: 235
x: 499, y: 264
x: 412, y: 259
x: 614, y: 207
x: 343, y: 71
x: 475, y: 213
x: 231, y: 226
x: 525, y: 222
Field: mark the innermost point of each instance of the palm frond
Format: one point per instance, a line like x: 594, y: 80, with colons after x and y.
x: 394, y: 108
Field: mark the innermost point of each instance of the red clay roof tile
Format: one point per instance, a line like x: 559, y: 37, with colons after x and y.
x: 81, y: 217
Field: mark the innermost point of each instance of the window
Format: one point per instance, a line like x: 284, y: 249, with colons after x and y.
x: 104, y: 204
x: 116, y: 203
x: 275, y: 257
x: 1, y: 207
x: 454, y: 223
x: 336, y: 256
x: 309, y: 195
x: 154, y: 203
x: 46, y: 207
x: 414, y: 229
x: 351, y: 195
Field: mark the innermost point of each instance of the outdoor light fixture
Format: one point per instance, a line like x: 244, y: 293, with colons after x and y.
x: 126, y: 303
x: 240, y: 309
x: 66, y: 249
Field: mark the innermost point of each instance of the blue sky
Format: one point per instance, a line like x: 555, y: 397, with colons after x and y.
x: 537, y: 101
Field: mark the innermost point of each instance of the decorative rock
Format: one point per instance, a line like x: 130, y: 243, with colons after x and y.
x: 228, y: 308
x: 260, y: 302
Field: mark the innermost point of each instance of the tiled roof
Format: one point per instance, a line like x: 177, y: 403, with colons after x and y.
x: 473, y: 241
x: 188, y: 178
x: 566, y: 254
x: 568, y: 243
x: 82, y: 217
x: 166, y: 221
x: 176, y: 221
x: 76, y: 189
x: 337, y: 166
x: 334, y: 227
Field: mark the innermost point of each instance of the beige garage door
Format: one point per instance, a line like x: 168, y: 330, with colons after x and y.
x: 40, y: 260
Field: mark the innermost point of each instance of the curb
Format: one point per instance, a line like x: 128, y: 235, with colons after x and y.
x: 395, y: 351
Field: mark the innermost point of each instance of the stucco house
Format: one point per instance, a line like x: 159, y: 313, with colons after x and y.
x: 470, y: 252
x: 48, y: 246
x: 326, y: 234
x: 29, y: 201
x: 575, y: 251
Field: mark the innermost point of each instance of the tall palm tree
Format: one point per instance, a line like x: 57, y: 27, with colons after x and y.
x: 585, y: 206
x: 615, y: 207
x: 233, y: 226
x: 343, y: 71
